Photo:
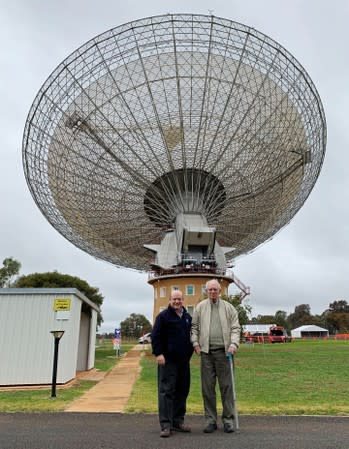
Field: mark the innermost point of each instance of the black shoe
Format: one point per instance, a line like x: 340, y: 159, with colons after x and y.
x: 210, y: 428
x: 181, y: 428
x: 228, y: 428
x: 165, y: 433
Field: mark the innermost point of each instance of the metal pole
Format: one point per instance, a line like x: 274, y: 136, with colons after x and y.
x: 54, y: 371
x: 232, y: 370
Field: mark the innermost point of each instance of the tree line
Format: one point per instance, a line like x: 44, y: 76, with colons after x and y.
x: 10, y: 270
x: 335, y: 319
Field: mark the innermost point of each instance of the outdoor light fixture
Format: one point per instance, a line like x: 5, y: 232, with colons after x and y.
x: 57, y: 335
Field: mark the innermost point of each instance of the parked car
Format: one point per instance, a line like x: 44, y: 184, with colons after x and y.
x: 146, y: 338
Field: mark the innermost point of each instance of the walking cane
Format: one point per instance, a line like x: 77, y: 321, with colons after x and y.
x: 232, y: 370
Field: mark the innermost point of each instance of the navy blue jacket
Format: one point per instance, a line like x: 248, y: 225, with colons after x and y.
x: 171, y: 335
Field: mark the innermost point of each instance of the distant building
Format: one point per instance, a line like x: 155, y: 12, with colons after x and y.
x: 309, y: 331
x: 257, y: 328
x: 28, y: 316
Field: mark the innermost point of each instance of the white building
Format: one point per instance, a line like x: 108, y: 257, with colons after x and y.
x: 27, y: 318
x: 309, y: 331
x: 257, y: 328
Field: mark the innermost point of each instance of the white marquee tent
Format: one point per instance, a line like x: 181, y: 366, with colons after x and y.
x: 309, y: 331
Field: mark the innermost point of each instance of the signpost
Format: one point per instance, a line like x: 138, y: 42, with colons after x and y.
x: 62, y: 307
x: 117, y: 341
x: 61, y: 304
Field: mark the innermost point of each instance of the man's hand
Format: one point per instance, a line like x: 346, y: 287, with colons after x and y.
x: 197, y: 349
x: 232, y: 349
x: 160, y: 359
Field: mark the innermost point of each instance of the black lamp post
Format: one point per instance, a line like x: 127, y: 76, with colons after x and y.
x: 57, y: 335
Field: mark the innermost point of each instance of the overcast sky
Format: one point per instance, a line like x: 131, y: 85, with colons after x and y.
x: 305, y: 263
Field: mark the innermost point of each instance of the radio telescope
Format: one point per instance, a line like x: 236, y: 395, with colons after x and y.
x: 174, y: 137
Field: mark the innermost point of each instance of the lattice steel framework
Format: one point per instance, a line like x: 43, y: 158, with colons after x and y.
x: 172, y: 114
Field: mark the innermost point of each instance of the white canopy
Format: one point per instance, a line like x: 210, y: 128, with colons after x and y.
x: 310, y: 330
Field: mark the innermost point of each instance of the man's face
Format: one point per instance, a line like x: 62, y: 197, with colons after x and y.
x: 176, y: 300
x: 213, y: 291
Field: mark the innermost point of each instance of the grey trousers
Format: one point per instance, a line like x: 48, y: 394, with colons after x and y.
x: 215, y: 365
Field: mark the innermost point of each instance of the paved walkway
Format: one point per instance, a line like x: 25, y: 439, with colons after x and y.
x: 135, y: 431
x: 112, y: 391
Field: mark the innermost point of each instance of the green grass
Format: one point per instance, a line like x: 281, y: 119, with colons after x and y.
x: 40, y: 400
x: 303, y: 377
x: 31, y: 400
x: 105, y: 355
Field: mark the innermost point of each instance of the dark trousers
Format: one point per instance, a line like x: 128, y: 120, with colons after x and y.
x: 173, y: 390
x: 215, y: 365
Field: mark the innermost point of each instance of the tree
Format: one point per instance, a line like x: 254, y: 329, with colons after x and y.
x: 301, y: 316
x: 10, y: 269
x: 243, y: 310
x: 263, y: 319
x: 339, y: 306
x: 135, y: 325
x: 280, y: 319
x: 337, y: 317
x: 59, y: 280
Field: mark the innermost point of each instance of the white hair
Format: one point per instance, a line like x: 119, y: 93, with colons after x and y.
x: 213, y: 280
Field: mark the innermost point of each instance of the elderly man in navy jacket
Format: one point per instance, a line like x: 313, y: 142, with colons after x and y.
x: 173, y: 349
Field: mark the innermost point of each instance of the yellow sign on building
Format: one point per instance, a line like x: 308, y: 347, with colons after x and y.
x: 61, y: 304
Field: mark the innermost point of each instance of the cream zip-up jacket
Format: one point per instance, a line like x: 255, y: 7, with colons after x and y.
x: 200, y: 326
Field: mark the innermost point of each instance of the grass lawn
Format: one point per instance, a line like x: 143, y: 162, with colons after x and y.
x: 31, y: 400
x: 303, y: 377
x: 40, y: 400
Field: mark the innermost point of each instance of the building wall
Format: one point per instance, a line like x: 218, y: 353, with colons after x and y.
x: 26, y: 342
x: 92, y: 341
x: 193, y: 288
x: 84, y: 335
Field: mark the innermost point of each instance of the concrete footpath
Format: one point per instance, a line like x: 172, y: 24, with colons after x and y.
x: 111, y: 393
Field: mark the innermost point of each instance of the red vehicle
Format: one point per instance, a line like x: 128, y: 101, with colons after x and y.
x: 278, y: 334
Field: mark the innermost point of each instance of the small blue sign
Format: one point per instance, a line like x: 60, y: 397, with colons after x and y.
x: 117, y: 333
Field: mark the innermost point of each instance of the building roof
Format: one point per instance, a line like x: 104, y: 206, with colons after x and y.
x: 49, y: 291
x: 257, y: 327
x: 310, y: 328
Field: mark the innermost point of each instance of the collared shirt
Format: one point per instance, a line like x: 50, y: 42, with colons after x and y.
x: 180, y: 312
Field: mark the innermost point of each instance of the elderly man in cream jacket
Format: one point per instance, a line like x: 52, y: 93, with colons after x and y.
x: 215, y: 332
